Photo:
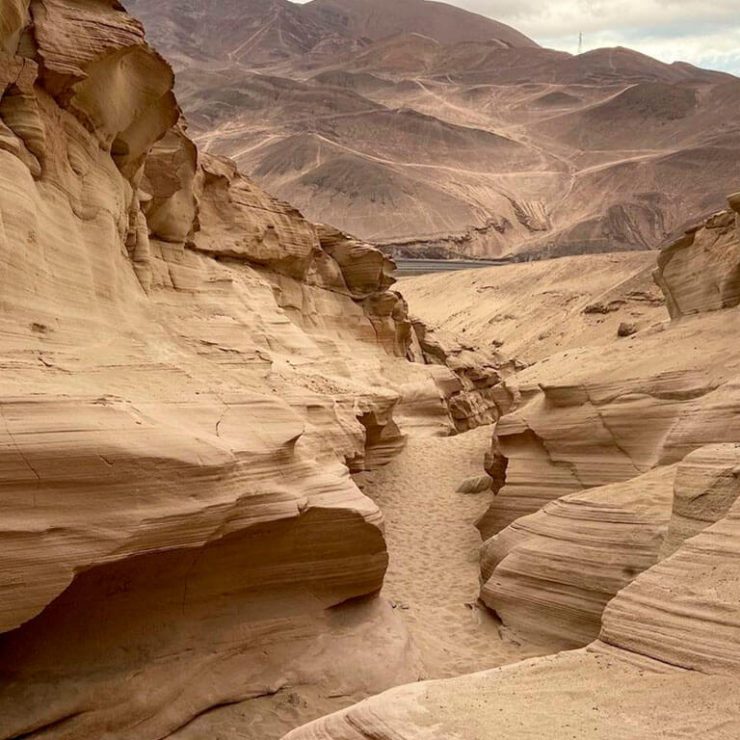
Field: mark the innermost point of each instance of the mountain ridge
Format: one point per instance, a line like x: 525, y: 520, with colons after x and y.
x: 361, y: 95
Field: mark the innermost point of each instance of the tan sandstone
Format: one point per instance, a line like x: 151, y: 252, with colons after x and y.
x: 190, y: 372
x: 615, y: 526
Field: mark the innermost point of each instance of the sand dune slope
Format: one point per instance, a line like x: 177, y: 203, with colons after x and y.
x: 533, y: 310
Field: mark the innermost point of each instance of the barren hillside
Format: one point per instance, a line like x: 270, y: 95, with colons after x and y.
x: 431, y: 131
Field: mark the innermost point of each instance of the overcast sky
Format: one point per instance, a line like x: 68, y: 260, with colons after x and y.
x: 703, y: 32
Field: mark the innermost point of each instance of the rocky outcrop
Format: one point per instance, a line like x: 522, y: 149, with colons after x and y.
x: 712, y: 251
x: 471, y: 397
x: 706, y: 487
x: 550, y: 574
x: 94, y: 62
x: 588, y: 418
x: 190, y: 372
x: 361, y: 275
x: 591, y: 450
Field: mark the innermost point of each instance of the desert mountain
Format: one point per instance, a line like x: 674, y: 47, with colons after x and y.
x: 378, y: 19
x: 259, y: 32
x: 428, y: 130
x: 264, y: 32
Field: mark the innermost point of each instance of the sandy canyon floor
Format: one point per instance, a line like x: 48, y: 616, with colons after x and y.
x: 432, y: 582
x: 434, y: 554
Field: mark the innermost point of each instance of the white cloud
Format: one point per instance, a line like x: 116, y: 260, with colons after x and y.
x: 703, y: 32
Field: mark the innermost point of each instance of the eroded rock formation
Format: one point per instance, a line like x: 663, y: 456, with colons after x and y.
x: 189, y: 368
x: 705, y: 490
x: 637, y: 561
x: 550, y: 574
x: 617, y: 430
x: 711, y: 251
x: 471, y: 397
x: 591, y: 417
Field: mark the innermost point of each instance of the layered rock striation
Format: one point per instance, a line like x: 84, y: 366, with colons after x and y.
x: 550, y: 574
x: 190, y: 371
x: 643, y: 440
x: 637, y: 561
x: 711, y: 250
x: 591, y: 417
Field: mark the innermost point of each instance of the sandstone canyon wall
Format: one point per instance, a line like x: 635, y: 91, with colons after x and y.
x: 614, y: 530
x: 190, y: 372
x: 619, y: 429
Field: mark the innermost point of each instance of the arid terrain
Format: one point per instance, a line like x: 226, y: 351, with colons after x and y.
x: 254, y: 488
x: 431, y: 131
x: 530, y: 311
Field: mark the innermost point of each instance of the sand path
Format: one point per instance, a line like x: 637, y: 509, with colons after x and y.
x: 433, y: 573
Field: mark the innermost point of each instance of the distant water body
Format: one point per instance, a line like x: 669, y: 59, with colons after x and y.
x: 410, y: 267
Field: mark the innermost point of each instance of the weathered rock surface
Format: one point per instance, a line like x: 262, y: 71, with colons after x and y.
x: 685, y: 612
x: 190, y: 370
x: 550, y: 574
x: 666, y: 661
x: 588, y: 418
x: 639, y: 557
x: 706, y: 487
x: 613, y: 427
x: 471, y: 397
x: 712, y: 252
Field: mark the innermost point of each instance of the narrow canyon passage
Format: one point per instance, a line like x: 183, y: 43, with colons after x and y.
x: 431, y: 583
x: 432, y: 579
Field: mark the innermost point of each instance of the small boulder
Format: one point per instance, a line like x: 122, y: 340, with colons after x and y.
x: 477, y: 484
x: 626, y: 329
x: 734, y: 202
